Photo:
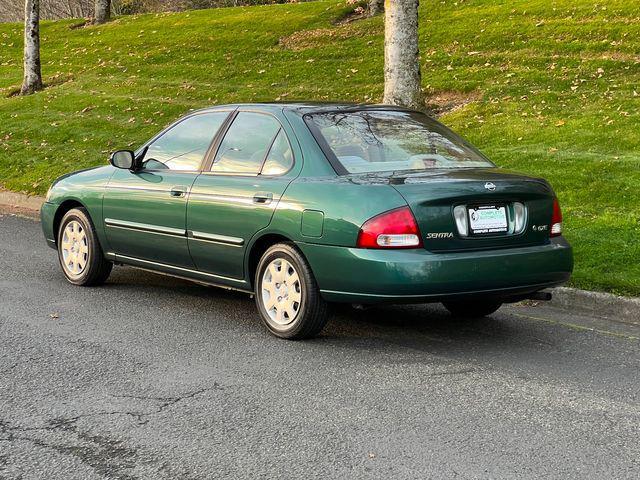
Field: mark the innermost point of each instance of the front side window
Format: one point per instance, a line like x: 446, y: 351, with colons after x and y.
x: 385, y: 141
x: 184, y: 145
x: 246, y: 143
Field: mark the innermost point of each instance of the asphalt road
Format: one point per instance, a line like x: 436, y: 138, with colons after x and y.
x: 153, y: 377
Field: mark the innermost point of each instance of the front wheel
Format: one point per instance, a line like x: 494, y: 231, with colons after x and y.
x: 79, y: 251
x: 472, y: 308
x: 287, y: 295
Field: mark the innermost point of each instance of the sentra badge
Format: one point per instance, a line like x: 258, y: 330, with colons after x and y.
x: 440, y: 235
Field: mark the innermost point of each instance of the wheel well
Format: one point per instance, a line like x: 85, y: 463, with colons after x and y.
x: 258, y: 249
x: 62, y: 209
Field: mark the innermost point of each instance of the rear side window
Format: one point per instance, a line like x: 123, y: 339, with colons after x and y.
x: 245, y: 145
x: 184, y: 145
x: 280, y: 157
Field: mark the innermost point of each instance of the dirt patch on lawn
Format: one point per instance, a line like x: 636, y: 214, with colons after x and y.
x: 87, y: 22
x: 306, y: 39
x: 446, y: 101
x: 359, y: 13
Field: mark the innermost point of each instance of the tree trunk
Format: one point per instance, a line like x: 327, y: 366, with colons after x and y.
x: 32, y: 69
x: 401, y: 60
x: 103, y: 11
x: 375, y: 7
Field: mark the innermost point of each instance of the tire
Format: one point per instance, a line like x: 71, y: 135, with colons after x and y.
x: 472, y: 309
x: 79, y: 252
x: 276, y: 301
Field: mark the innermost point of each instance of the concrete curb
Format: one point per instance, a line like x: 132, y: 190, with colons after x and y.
x: 20, y: 200
x: 602, y: 305
x: 598, y: 304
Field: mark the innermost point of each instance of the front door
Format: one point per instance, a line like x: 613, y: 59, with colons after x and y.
x: 145, y: 210
x: 237, y: 197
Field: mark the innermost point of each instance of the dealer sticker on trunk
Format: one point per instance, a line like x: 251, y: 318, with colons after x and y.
x: 488, y: 219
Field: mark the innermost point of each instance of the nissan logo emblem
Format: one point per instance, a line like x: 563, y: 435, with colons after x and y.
x: 490, y: 186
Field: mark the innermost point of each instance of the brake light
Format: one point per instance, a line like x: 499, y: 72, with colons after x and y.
x: 556, y: 219
x: 393, y: 229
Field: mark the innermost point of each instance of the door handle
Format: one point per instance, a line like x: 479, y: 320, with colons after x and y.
x: 263, y: 198
x: 178, y: 191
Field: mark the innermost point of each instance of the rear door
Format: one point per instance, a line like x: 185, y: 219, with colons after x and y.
x: 145, y: 210
x: 236, y: 198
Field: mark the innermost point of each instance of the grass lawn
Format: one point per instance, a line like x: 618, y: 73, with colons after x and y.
x: 554, y: 90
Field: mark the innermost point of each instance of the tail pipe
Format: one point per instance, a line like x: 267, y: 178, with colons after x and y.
x: 541, y: 296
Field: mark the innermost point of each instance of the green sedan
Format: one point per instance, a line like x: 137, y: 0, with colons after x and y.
x: 305, y: 205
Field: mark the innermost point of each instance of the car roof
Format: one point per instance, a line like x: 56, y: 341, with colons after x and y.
x: 303, y: 108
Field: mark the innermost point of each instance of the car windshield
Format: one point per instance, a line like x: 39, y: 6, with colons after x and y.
x: 384, y: 140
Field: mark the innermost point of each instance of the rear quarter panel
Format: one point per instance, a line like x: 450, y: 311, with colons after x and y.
x: 345, y: 206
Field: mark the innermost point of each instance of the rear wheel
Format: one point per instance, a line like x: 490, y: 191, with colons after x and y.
x: 79, y: 251
x: 287, y: 295
x: 472, y: 308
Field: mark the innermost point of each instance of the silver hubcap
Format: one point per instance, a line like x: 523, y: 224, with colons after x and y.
x: 281, y: 292
x: 75, y: 249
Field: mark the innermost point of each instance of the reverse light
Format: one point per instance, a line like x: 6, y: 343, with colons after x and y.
x: 393, y: 229
x: 462, y: 220
x: 556, y: 219
x: 520, y: 217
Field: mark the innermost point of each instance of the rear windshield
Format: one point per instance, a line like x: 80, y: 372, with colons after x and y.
x: 385, y: 140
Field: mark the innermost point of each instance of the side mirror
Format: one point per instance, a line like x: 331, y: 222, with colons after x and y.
x: 123, y: 159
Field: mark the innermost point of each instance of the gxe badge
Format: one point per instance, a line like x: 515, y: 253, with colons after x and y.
x: 490, y: 186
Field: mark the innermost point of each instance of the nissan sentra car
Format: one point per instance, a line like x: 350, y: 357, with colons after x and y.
x: 304, y: 205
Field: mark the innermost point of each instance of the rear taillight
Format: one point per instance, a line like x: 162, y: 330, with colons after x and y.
x: 393, y: 229
x: 556, y: 219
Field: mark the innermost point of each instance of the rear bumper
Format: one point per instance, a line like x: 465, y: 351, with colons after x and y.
x: 372, y: 276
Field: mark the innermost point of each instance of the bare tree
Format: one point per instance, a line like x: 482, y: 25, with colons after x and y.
x: 32, y: 69
x: 401, y: 57
x: 13, y: 10
x: 375, y: 7
x: 103, y: 11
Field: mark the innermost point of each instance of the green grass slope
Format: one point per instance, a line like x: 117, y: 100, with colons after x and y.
x: 555, y: 86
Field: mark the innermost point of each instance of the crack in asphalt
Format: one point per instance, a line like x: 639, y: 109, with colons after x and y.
x: 8, y: 369
x: 166, y: 401
x: 25, y: 361
x: 109, y: 458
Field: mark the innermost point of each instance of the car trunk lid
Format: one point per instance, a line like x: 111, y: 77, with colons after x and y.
x: 479, y: 195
